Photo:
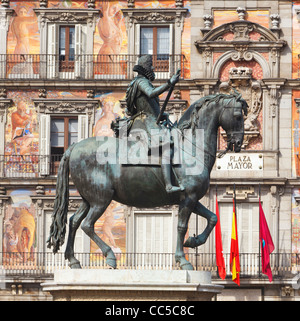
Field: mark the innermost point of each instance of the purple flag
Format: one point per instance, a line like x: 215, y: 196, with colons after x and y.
x: 267, y: 246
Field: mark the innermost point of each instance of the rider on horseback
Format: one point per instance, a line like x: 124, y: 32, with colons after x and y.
x: 142, y: 98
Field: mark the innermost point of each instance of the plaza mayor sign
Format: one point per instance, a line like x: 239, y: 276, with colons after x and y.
x: 240, y: 161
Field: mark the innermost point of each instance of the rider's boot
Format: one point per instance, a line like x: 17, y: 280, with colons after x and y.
x: 166, y: 170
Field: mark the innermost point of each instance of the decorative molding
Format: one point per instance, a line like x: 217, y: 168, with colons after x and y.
x: 240, y: 79
x: 43, y: 3
x: 91, y: 4
x: 297, y: 101
x: 48, y: 15
x: 46, y: 202
x: 275, y: 21
x: 5, y: 3
x: 178, y: 3
x: 3, y: 93
x: 42, y: 93
x: 241, y: 192
x: 130, y: 3
x: 241, y: 13
x: 208, y: 20
x: 228, y: 55
x: 241, y: 48
x: 70, y: 106
x: 161, y: 15
x: 5, y: 103
x: 241, y: 30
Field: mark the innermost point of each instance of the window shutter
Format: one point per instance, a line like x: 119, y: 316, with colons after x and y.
x: 83, y: 127
x: 171, y: 55
x: 86, y: 60
x: 44, y: 144
x: 52, y: 51
x: 153, y: 239
x: 78, y: 50
x: 138, y: 39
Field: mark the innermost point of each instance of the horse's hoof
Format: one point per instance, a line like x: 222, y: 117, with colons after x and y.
x: 111, y: 260
x: 184, y: 264
x: 75, y: 265
x: 190, y: 242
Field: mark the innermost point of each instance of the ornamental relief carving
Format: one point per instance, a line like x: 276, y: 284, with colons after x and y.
x: 61, y: 15
x: 134, y: 15
x: 240, y: 79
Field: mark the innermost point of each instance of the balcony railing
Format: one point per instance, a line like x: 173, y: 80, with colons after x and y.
x: 102, y: 67
x: 42, y: 263
x: 28, y: 166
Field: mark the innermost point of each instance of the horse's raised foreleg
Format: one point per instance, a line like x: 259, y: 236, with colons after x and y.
x: 88, y: 227
x: 211, y: 222
x: 185, y: 210
x: 74, y: 223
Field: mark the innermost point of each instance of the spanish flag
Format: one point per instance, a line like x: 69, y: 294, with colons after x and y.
x: 219, y: 247
x: 234, y: 250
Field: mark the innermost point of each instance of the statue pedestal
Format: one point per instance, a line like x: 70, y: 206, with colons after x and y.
x: 131, y: 285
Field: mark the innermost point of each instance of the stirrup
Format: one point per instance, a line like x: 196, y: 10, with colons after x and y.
x: 173, y: 189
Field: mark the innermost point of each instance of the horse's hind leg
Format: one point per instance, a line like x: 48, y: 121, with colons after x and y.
x: 94, y: 213
x: 184, y: 214
x: 74, y: 223
x: 211, y: 222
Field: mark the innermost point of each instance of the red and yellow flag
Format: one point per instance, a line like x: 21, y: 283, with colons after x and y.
x: 219, y: 247
x: 234, y: 250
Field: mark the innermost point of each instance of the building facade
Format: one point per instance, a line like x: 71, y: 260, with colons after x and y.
x: 64, y: 70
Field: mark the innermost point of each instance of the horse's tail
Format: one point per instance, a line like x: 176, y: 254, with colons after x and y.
x: 60, y: 210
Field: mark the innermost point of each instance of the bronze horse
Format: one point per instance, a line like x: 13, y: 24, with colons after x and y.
x: 141, y: 186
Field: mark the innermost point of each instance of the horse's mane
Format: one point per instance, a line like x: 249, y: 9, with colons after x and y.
x: 190, y: 117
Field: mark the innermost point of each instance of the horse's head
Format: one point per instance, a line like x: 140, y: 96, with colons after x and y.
x: 232, y: 121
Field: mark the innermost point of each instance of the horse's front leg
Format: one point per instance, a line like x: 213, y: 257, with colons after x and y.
x: 212, y: 219
x: 185, y: 210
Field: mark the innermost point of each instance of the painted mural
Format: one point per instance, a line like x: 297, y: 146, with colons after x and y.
x: 21, y: 135
x: 296, y: 93
x: 296, y: 41
x: 111, y: 227
x: 19, y: 235
x: 259, y: 16
x: 22, y: 127
x: 23, y: 35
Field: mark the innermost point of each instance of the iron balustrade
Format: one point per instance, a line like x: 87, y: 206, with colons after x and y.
x: 46, y: 263
x: 27, y: 166
x: 97, y: 67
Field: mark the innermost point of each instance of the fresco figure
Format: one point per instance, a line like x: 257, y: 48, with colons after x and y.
x: 109, y: 27
x: 20, y: 28
x: 22, y: 128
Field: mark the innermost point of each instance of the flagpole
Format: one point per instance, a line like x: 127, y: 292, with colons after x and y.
x: 234, y: 197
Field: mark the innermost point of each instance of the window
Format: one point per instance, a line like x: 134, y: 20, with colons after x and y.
x: 66, y: 51
x: 153, y: 239
x: 247, y: 225
x: 156, y: 41
x: 66, y: 48
x: 63, y: 133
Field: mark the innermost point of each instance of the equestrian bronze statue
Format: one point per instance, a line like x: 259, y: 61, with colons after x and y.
x: 101, y: 178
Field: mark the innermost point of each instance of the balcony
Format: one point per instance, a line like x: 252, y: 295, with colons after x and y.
x: 28, y: 166
x: 83, y: 67
x: 283, y: 265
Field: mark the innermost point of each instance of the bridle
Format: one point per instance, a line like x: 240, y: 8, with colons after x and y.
x: 236, y: 112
